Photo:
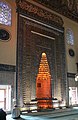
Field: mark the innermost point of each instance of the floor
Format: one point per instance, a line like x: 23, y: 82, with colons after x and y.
x: 70, y: 117
x: 67, y: 114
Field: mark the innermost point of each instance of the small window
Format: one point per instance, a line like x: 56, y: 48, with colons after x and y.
x: 5, y: 13
x: 69, y: 36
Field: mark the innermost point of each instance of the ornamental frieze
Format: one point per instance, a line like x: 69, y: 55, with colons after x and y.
x: 38, y: 12
x: 68, y: 8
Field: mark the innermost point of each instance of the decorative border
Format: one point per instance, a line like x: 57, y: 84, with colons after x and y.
x: 4, y: 67
x: 62, y: 7
x: 38, y: 13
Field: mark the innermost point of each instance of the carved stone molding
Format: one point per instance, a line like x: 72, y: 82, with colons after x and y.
x: 38, y: 13
x: 68, y: 8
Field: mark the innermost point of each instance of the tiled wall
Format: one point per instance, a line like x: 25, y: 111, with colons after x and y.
x: 30, y: 48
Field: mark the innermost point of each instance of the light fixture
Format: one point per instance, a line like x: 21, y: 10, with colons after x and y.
x: 76, y: 76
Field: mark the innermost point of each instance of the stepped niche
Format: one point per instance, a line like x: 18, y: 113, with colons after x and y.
x: 43, y: 84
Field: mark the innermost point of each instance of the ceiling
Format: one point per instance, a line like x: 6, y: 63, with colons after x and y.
x: 68, y: 8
